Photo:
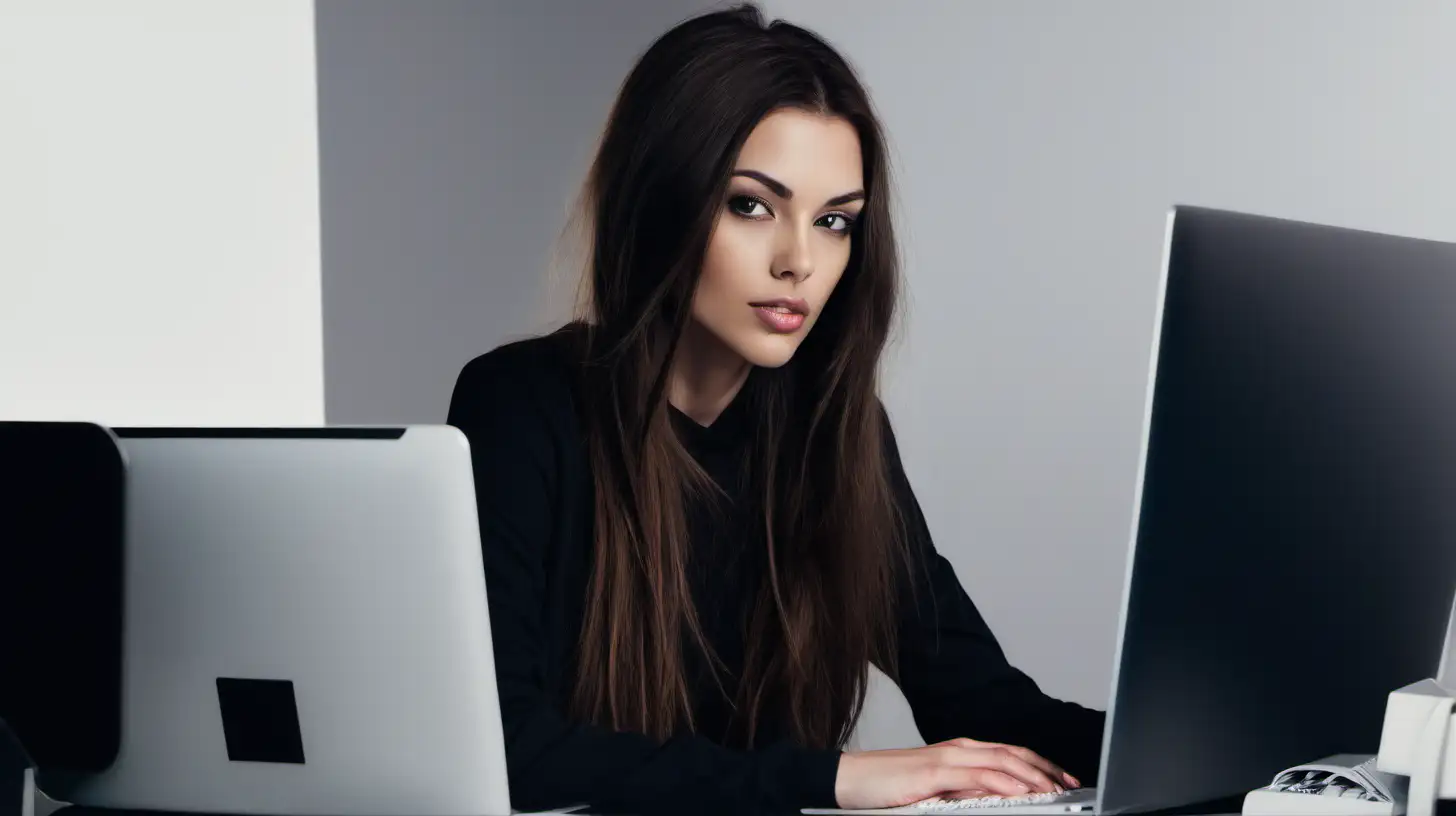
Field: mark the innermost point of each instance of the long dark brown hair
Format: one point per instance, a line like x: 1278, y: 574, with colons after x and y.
x: 835, y: 544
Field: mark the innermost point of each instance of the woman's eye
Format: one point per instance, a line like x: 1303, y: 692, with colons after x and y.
x: 748, y: 206
x: 837, y: 222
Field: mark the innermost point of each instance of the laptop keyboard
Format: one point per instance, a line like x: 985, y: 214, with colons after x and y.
x: 1073, y: 801
x: 939, y: 804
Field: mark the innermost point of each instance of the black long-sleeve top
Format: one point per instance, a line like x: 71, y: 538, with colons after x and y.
x: 517, y: 406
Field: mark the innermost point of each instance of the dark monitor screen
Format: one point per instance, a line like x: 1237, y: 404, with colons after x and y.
x: 1296, y: 549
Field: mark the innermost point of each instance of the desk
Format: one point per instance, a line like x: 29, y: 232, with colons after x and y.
x: 686, y: 811
x: 45, y: 807
x: 1222, y: 807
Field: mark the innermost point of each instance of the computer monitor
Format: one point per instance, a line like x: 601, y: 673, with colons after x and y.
x: 306, y: 629
x: 61, y: 552
x: 1294, y: 544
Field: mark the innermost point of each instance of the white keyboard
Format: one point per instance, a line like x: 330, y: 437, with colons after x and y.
x: 939, y: 804
x: 1069, y: 802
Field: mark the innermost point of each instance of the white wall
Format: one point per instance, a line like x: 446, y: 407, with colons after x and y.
x: 1039, y: 146
x: 159, y: 241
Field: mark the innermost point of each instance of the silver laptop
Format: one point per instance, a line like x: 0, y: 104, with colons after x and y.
x: 306, y: 629
x: 1294, y: 539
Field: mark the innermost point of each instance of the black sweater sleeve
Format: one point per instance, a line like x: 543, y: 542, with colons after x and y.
x: 513, y: 416
x: 954, y: 673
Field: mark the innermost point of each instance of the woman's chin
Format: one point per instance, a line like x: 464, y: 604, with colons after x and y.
x: 769, y: 351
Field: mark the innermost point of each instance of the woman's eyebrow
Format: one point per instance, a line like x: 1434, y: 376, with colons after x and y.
x: 782, y: 190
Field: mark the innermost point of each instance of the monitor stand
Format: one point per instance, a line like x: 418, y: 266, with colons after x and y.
x: 34, y: 802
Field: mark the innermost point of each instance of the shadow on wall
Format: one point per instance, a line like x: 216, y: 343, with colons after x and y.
x: 453, y: 138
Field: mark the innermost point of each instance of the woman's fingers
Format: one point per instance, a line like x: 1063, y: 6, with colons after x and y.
x: 1048, y: 767
x: 1039, y: 780
x: 988, y: 780
x: 1051, y: 769
x: 1007, y: 760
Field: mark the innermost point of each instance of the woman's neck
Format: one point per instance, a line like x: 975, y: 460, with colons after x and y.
x: 706, y: 375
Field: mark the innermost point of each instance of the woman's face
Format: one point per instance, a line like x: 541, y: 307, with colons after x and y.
x: 782, y: 237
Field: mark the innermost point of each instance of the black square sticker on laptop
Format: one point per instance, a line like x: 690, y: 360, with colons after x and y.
x: 260, y: 720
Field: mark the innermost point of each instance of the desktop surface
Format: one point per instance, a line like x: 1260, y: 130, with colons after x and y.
x: 1227, y: 806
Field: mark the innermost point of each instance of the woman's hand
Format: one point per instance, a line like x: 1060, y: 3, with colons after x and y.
x: 959, y: 767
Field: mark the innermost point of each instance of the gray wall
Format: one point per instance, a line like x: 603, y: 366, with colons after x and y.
x: 453, y: 137
x: 1038, y: 147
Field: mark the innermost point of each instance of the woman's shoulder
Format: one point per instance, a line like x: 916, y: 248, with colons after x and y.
x: 542, y: 358
x: 524, y: 379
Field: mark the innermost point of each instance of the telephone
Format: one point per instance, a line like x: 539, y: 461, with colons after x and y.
x: 1345, y: 784
x: 1415, y: 767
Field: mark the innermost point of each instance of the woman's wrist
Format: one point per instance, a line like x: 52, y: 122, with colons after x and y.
x: 843, y: 777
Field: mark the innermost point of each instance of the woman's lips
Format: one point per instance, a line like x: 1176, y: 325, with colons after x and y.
x: 780, y: 318
x: 783, y: 315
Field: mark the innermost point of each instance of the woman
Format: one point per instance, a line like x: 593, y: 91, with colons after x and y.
x: 698, y: 534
